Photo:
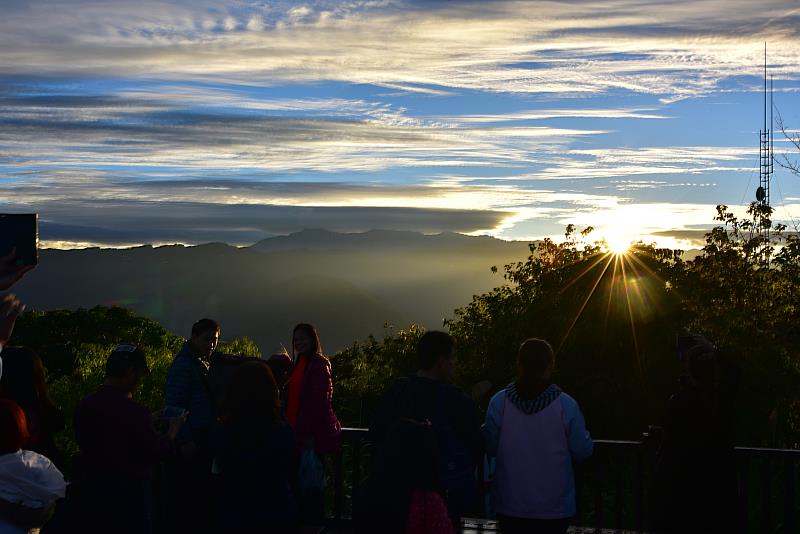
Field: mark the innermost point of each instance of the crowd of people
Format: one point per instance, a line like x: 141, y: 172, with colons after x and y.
x: 241, y: 444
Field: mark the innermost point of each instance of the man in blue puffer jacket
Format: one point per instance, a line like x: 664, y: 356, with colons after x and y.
x: 188, y: 390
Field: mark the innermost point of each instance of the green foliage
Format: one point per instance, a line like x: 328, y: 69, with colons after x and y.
x: 59, y: 335
x: 607, y: 316
x: 744, y: 295
x: 363, y: 370
x: 74, y: 346
x: 613, y: 320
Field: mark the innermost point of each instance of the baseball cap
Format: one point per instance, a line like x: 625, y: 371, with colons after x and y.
x: 125, y: 357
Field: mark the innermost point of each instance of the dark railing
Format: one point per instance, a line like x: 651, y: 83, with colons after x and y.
x: 770, y: 474
x: 347, y: 483
x: 611, y: 487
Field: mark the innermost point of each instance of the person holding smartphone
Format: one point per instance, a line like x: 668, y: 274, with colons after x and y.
x: 120, y: 448
x: 11, y: 271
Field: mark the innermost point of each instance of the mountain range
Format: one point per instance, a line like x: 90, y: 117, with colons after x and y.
x: 347, y: 285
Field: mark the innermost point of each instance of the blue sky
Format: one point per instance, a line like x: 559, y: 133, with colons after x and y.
x: 192, y: 121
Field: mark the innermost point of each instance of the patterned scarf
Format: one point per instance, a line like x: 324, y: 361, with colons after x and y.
x: 532, y: 406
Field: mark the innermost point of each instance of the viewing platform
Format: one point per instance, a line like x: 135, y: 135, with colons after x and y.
x: 612, y: 487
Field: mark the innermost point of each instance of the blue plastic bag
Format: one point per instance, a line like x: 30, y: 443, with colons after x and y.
x: 311, y: 473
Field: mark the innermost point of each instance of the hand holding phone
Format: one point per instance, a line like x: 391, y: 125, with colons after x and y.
x: 11, y: 271
x: 19, y: 241
x: 169, y: 420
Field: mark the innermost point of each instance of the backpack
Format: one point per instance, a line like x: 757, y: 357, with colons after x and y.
x: 456, y: 467
x: 220, y: 372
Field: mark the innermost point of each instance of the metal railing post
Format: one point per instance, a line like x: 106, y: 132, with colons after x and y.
x: 789, y: 497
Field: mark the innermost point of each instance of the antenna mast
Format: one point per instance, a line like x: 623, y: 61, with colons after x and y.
x: 765, y: 166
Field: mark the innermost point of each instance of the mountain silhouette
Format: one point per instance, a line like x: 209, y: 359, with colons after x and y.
x: 348, y: 285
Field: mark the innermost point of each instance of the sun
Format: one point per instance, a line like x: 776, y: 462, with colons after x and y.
x: 618, y: 244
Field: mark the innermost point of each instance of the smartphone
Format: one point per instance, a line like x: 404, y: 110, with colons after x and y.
x: 162, y: 418
x: 20, y: 231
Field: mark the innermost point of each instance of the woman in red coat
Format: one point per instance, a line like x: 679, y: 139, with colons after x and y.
x: 309, y: 410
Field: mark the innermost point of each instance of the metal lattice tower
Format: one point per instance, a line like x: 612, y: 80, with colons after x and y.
x: 765, y: 156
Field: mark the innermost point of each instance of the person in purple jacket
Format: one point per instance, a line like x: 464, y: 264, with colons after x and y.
x: 119, y: 450
x: 536, y: 432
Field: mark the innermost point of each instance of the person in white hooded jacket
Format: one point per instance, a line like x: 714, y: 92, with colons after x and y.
x: 30, y: 485
x: 536, y: 432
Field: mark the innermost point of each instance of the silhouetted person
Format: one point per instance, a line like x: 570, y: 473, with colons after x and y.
x: 281, y: 366
x: 119, y: 448
x: 30, y: 484
x: 403, y: 495
x: 536, y: 431
x: 695, y: 478
x: 188, y: 389
x: 254, y: 452
x: 221, y: 369
x: 10, y: 307
x: 309, y: 409
x: 428, y: 396
x: 25, y: 383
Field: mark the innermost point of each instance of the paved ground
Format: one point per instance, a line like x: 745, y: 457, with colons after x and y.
x: 491, y: 526
x: 483, y: 526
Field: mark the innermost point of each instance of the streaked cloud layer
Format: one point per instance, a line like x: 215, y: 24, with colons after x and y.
x: 203, y: 120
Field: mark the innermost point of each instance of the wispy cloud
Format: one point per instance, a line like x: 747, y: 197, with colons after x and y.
x: 670, y: 160
x: 307, y: 135
x: 675, y: 49
x: 543, y: 114
x: 131, y: 222
x: 477, y: 117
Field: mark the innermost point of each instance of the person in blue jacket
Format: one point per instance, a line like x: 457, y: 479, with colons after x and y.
x: 189, y: 392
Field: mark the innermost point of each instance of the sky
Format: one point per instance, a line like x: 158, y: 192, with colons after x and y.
x: 124, y: 123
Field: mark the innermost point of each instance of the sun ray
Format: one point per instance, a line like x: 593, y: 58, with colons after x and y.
x: 652, y: 274
x: 644, y: 266
x: 585, y: 301
x: 630, y: 317
x: 611, y: 292
x: 580, y: 275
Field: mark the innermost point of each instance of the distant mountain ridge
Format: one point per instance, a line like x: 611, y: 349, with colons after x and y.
x: 348, y: 285
x: 317, y: 239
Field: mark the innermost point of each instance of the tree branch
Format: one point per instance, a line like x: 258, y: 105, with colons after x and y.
x: 784, y: 161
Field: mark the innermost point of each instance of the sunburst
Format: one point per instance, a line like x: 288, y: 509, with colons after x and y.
x: 627, y: 273
x: 618, y: 244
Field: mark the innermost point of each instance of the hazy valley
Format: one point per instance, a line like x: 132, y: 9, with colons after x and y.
x: 348, y: 285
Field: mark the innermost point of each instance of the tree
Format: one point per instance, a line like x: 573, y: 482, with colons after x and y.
x: 606, y: 315
x: 362, y: 371
x: 793, y: 136
x: 743, y: 296
x: 74, y: 346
